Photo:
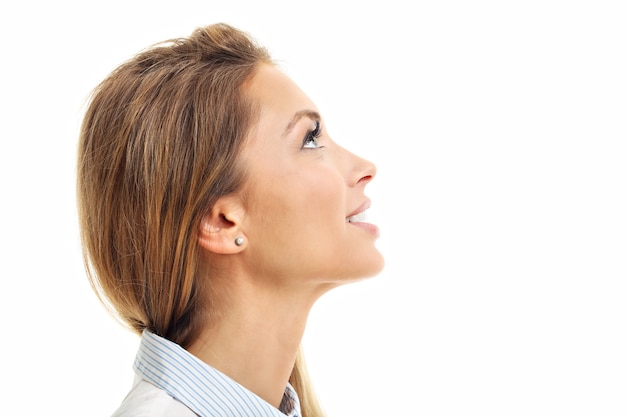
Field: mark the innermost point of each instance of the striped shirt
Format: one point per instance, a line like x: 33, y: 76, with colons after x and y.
x: 172, y: 382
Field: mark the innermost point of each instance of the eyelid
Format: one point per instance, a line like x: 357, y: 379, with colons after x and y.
x: 312, y: 135
x: 317, y: 131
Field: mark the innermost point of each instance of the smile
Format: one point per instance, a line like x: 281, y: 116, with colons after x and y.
x: 357, y: 218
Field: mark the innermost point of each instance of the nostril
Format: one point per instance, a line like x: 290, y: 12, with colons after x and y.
x: 362, y: 171
x: 365, y: 179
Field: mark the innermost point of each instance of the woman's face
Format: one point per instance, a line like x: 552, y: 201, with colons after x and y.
x: 304, y: 193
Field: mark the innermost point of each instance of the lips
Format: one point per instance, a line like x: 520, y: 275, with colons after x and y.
x: 358, y: 219
x: 359, y: 215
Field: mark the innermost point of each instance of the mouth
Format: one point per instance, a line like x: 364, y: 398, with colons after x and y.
x: 359, y: 215
x: 357, y: 218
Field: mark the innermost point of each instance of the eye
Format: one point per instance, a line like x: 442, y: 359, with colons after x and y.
x: 310, y: 140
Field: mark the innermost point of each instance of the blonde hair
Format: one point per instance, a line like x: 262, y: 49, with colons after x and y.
x: 158, y: 146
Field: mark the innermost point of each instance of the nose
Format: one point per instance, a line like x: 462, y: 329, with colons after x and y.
x: 362, y: 170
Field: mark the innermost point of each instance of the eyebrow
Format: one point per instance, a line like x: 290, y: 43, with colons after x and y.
x: 311, y: 114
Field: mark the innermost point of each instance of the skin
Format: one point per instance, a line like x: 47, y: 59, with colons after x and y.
x: 292, y: 215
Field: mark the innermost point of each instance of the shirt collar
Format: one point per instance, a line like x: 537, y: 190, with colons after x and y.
x: 202, y: 388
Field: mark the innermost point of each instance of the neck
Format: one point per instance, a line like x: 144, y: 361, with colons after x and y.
x: 256, y: 338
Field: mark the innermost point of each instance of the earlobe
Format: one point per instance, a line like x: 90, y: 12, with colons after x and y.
x: 220, y: 229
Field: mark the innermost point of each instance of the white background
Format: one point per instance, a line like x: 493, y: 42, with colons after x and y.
x: 499, y: 131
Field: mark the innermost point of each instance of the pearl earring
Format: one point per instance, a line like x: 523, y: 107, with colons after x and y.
x: 239, y: 241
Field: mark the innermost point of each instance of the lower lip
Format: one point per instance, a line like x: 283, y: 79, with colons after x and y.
x: 367, y: 226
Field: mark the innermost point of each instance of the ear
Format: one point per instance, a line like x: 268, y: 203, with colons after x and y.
x: 221, y: 226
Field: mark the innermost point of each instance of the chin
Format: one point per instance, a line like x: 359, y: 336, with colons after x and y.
x: 369, y: 269
x: 351, y: 268
x: 369, y: 266
x: 377, y: 263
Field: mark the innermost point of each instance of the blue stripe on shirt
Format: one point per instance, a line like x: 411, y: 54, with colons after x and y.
x: 200, y: 387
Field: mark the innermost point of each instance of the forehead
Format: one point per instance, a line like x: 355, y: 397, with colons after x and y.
x: 278, y: 96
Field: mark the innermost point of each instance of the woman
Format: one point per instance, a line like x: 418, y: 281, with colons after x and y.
x: 215, y: 210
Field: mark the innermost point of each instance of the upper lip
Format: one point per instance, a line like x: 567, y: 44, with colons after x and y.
x: 364, y: 206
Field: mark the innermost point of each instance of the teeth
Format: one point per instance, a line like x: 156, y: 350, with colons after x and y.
x: 359, y: 217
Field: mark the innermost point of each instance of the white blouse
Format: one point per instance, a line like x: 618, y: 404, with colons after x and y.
x: 171, y: 382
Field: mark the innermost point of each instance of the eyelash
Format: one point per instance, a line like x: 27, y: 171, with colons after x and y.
x: 311, y: 136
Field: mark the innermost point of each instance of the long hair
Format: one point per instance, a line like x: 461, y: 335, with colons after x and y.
x: 158, y: 146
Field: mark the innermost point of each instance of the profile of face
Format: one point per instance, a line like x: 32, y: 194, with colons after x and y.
x: 303, y: 190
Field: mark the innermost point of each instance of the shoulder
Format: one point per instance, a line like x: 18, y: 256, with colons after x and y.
x: 147, y: 400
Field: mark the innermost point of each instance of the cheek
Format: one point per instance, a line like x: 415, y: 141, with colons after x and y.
x: 300, y: 216
x: 305, y: 201
x: 321, y: 195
